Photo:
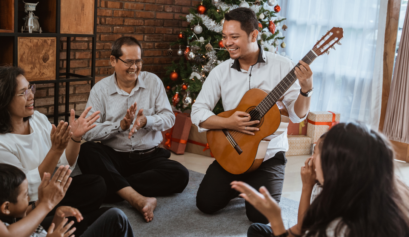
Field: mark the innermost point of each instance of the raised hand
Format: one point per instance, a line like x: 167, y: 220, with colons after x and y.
x: 240, y: 121
x: 60, y: 136
x: 129, y: 117
x: 308, y: 175
x: 83, y: 124
x: 66, y: 211
x: 52, y: 191
x: 62, y: 229
x: 140, y: 122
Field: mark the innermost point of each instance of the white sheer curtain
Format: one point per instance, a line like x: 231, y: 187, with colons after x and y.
x: 349, y: 80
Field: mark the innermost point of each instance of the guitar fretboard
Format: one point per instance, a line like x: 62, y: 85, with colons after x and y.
x: 281, y: 88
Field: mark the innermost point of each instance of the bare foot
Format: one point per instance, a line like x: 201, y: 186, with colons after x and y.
x: 146, y: 206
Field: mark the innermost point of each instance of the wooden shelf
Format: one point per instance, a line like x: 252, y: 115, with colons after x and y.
x: 7, y: 16
x: 46, y: 11
x: 77, y: 17
x: 6, y: 47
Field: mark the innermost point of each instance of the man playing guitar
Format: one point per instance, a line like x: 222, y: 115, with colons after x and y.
x: 249, y: 67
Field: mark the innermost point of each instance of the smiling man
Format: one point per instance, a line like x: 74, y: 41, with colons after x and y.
x: 248, y: 67
x: 134, y: 110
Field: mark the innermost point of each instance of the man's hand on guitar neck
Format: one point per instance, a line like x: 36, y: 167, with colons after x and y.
x: 240, y: 121
x: 304, y: 75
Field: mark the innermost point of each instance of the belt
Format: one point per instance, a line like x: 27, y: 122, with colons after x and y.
x: 142, y: 152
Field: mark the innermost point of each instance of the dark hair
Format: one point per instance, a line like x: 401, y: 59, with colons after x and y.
x: 246, y: 17
x: 8, y: 87
x: 10, y: 179
x: 126, y: 40
x: 360, y: 187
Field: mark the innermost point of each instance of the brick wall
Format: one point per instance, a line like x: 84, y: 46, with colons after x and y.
x: 155, y: 23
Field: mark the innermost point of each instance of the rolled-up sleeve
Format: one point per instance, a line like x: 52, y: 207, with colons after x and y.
x: 207, y: 99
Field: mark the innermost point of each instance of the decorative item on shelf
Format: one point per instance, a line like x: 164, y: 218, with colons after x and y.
x: 271, y: 2
x: 284, y: 27
x: 277, y: 8
x: 272, y: 27
x: 191, y: 55
x: 168, y: 88
x: 257, y: 2
x: 261, y: 16
x: 201, y: 9
x: 170, y: 52
x: 187, y: 51
x: 244, y: 4
x: 283, y: 45
x: 184, y: 87
x: 198, y: 29
x: 215, y: 2
x: 175, y: 99
x: 31, y: 23
x: 209, y: 47
x: 221, y: 45
x: 174, y: 76
x: 260, y: 26
x: 180, y: 52
x: 180, y: 35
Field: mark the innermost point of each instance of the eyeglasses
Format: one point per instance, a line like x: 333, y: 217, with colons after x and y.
x: 26, y: 93
x: 130, y: 63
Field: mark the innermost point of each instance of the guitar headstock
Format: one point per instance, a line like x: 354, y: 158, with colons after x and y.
x: 328, y: 40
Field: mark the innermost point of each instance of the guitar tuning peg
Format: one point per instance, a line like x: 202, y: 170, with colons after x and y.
x: 328, y: 52
x: 339, y: 43
x: 332, y: 47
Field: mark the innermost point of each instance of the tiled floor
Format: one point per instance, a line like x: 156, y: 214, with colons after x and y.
x: 292, y: 180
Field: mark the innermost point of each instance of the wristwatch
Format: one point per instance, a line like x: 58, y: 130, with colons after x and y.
x: 308, y: 93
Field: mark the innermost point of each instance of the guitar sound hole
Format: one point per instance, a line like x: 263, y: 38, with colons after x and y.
x: 255, y: 115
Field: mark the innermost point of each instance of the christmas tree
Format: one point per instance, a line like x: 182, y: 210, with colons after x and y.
x: 202, y: 49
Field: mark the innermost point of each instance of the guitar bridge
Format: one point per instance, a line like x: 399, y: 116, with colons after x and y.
x: 232, y: 142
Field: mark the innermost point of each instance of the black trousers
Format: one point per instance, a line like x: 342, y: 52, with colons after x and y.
x: 151, y: 174
x: 259, y: 230
x: 215, y: 191
x: 86, y: 193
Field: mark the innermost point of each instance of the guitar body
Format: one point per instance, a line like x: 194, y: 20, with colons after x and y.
x: 223, y: 151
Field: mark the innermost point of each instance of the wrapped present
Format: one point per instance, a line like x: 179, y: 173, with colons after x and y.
x: 175, y: 139
x: 320, y: 122
x: 197, y: 142
x: 297, y: 128
x: 299, y: 145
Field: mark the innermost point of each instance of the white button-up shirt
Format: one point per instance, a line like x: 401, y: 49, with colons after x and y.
x: 149, y: 94
x: 229, y: 82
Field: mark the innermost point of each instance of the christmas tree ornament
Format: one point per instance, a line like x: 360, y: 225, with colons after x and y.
x: 244, y: 4
x: 201, y: 9
x: 174, y: 76
x: 167, y: 87
x: 195, y: 48
x: 285, y: 27
x: 175, y: 99
x: 222, y: 22
x: 180, y: 52
x: 221, y: 45
x: 170, y: 52
x: 271, y: 2
x: 184, y: 87
x: 198, y: 29
x: 201, y: 40
x: 261, y: 16
x: 209, y: 47
x: 187, y: 101
x: 283, y: 45
x: 187, y: 51
x: 180, y: 35
x: 257, y: 2
x: 193, y: 75
x: 260, y: 26
x: 272, y: 27
x: 191, y: 56
x: 277, y: 8
x: 215, y: 2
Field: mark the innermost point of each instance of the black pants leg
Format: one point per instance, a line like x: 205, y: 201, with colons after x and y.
x: 215, y: 191
x: 151, y: 174
x: 85, y: 193
x: 259, y: 230
x: 112, y: 223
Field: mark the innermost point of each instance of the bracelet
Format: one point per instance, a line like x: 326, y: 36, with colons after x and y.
x: 75, y: 141
x: 282, y: 235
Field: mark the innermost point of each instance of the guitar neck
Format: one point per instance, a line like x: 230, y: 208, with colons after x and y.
x: 282, y: 87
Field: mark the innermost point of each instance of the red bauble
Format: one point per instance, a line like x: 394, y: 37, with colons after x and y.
x: 221, y: 45
x: 201, y: 9
x: 168, y: 88
x: 184, y: 87
x: 272, y: 27
x: 175, y: 99
x: 277, y: 8
x: 174, y: 76
x: 180, y: 35
x: 187, y: 51
x: 260, y: 26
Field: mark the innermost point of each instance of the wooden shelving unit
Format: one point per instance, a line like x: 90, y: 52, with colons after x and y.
x: 39, y: 54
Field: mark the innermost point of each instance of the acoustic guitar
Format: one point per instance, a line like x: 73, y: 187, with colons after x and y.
x: 239, y: 153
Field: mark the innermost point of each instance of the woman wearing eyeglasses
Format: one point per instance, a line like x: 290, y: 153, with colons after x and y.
x: 29, y: 142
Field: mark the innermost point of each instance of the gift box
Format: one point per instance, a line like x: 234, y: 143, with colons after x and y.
x: 297, y: 128
x: 320, y: 122
x: 197, y: 142
x: 175, y: 139
x: 299, y: 145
